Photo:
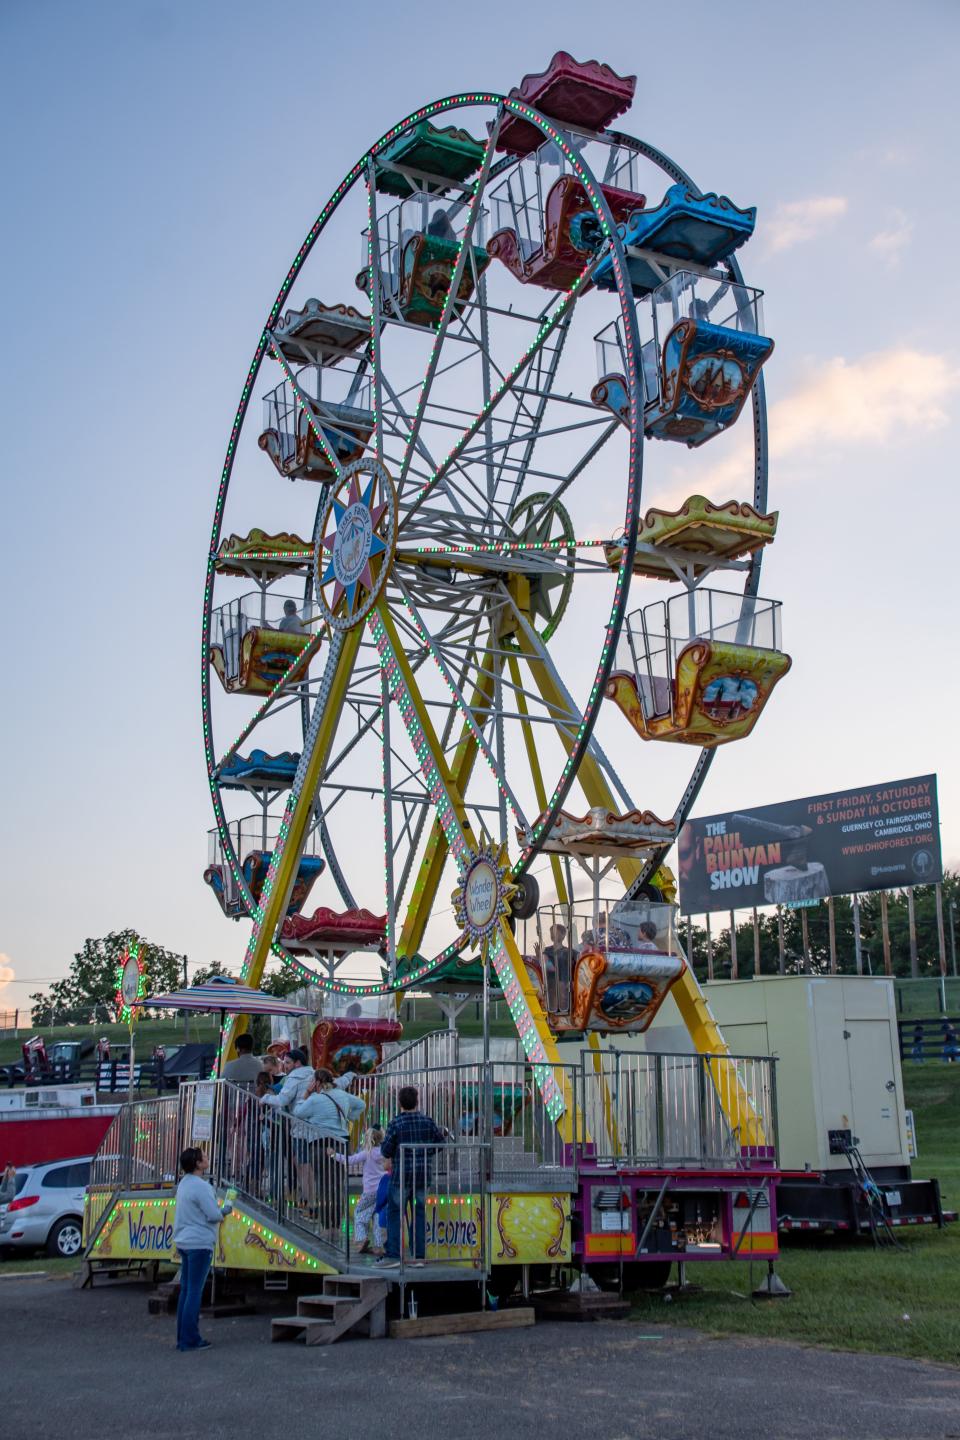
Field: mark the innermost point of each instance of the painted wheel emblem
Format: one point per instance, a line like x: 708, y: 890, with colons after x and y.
x: 355, y: 545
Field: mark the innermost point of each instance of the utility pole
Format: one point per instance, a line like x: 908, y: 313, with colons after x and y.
x: 734, y: 967
x: 943, y: 946
x: 912, y: 923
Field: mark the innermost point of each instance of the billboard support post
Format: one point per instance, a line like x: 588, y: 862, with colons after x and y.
x: 943, y: 943
x: 885, y: 924
x: 857, y: 946
x: 709, y: 949
x: 756, y: 943
x: 782, y: 948
x: 832, y: 922
x: 734, y: 966
x: 953, y: 937
x: 805, y: 932
x: 912, y: 922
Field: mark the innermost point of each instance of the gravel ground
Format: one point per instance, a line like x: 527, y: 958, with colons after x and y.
x: 95, y: 1363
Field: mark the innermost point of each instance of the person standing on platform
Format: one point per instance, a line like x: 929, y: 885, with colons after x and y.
x: 246, y: 1067
x: 196, y: 1227
x: 410, y: 1127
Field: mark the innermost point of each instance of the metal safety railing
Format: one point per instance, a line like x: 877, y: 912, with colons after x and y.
x: 498, y: 1103
x: 436, y: 1210
x: 668, y: 1111
x: 289, y: 1166
x: 679, y: 1110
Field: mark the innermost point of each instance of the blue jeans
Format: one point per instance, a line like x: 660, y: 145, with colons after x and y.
x: 416, y: 1225
x: 194, y: 1268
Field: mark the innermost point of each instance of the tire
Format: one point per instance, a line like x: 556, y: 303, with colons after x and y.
x: 527, y: 898
x: 66, y: 1238
x: 637, y: 1275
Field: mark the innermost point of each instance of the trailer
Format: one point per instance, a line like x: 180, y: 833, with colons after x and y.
x: 840, y: 1105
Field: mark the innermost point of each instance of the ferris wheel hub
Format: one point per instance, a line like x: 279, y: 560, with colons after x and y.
x: 355, y: 543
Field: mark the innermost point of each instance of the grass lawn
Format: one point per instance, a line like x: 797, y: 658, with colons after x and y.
x: 149, y: 1033
x: 849, y: 1296
x: 13, y: 1264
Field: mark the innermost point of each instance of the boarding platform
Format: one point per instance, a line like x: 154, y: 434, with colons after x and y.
x: 672, y: 1158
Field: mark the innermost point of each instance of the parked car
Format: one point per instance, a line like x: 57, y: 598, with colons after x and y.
x: 47, y: 1211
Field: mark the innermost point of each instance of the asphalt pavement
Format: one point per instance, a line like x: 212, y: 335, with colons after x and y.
x: 84, y: 1364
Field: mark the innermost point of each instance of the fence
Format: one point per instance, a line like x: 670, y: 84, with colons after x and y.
x: 930, y: 1039
x: 930, y: 995
x: 679, y: 1110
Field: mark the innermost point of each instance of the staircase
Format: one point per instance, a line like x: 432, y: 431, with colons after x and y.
x: 346, y: 1301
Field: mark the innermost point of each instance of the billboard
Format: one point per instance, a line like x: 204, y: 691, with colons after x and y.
x: 877, y: 837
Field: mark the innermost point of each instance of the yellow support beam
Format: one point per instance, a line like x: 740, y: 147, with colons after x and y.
x: 533, y: 760
x: 589, y: 776
x: 287, y: 852
x: 694, y: 1010
x: 435, y: 855
x: 536, y: 1036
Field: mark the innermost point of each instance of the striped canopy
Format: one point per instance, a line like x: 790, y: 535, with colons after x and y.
x: 225, y: 994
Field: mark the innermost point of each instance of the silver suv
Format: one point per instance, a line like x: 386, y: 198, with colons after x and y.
x: 47, y: 1210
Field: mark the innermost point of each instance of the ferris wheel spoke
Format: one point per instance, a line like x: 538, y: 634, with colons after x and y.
x: 453, y: 291
x: 493, y: 761
x: 561, y: 308
x: 306, y: 407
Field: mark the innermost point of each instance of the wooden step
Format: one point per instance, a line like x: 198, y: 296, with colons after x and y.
x: 358, y: 1286
x: 312, y: 1329
x: 325, y: 1304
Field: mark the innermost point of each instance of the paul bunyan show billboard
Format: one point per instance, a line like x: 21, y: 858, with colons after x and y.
x: 796, y: 853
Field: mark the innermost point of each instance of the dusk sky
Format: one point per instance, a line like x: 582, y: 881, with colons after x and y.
x: 162, y: 165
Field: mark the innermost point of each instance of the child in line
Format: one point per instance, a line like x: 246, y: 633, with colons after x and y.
x: 370, y: 1162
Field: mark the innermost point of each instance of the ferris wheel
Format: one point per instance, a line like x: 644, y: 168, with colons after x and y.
x: 440, y: 627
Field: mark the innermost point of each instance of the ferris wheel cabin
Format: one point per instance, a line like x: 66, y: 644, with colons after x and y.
x: 702, y: 666
x: 701, y: 352
x: 323, y: 407
x: 257, y: 641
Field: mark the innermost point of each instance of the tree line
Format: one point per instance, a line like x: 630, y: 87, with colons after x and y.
x: 86, y: 994
x: 816, y: 961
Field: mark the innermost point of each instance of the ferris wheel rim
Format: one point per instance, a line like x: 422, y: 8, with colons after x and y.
x: 634, y: 480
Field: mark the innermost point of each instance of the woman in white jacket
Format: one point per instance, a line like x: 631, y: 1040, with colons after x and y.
x: 195, y: 1228
x: 324, y: 1115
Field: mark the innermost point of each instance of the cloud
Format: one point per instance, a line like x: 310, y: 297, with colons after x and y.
x: 6, y: 971
x: 889, y: 243
x: 798, y: 220
x: 845, y: 402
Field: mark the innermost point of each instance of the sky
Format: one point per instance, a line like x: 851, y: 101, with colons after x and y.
x: 162, y: 163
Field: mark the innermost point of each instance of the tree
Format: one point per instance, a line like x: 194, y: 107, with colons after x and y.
x: 818, y: 932
x: 209, y: 972
x: 87, y: 992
